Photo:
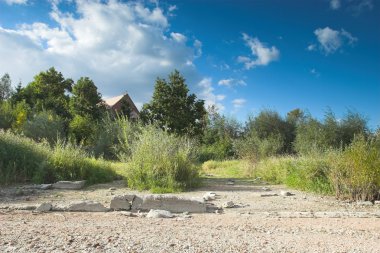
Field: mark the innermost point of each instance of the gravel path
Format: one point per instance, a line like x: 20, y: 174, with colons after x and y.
x: 298, y: 223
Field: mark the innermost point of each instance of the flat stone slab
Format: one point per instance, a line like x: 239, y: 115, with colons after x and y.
x: 44, y: 207
x: 69, y: 185
x: 172, y: 203
x: 123, y: 202
x: 87, y: 206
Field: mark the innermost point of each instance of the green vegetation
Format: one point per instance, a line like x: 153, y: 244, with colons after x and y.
x: 54, y: 129
x: 24, y: 160
x: 226, y: 169
x: 161, y: 162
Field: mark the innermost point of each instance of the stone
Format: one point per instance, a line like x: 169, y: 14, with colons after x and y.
x: 44, y: 207
x: 69, y: 185
x: 229, y: 204
x: 172, y: 203
x: 136, y: 203
x: 46, y: 186
x: 266, y: 189
x: 268, y: 195
x: 377, y: 202
x: 159, y: 214
x: 122, y: 202
x: 364, y: 203
x: 285, y: 193
x: 112, y: 189
x: 209, y: 196
x: 230, y: 182
x: 87, y: 206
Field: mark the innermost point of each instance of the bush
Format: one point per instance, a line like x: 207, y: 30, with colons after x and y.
x: 355, y: 172
x: 308, y: 173
x: 82, y: 129
x: 113, y: 136
x: 44, y: 125
x: 23, y: 160
x: 226, y: 169
x: 161, y: 162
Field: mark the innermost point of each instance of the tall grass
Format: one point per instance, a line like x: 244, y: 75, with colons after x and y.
x: 161, y: 162
x: 23, y: 160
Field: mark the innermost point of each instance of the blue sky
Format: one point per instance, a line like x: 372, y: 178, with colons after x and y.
x: 241, y: 56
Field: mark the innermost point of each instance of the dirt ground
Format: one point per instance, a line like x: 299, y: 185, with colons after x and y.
x: 302, y: 222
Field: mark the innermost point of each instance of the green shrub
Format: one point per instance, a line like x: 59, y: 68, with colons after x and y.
x: 161, y: 162
x: 7, y: 115
x: 23, y: 160
x: 44, y: 125
x: 82, y: 129
x: 355, y: 172
x: 226, y: 169
x: 308, y: 173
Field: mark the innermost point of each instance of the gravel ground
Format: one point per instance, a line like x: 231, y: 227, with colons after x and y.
x: 298, y: 223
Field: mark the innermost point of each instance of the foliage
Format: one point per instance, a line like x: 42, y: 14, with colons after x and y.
x: 113, y: 136
x: 86, y: 101
x: 44, y: 125
x: 161, y: 162
x: 226, y: 169
x: 22, y: 160
x: 7, y: 115
x: 355, y: 171
x: 48, y: 91
x: 81, y: 129
x: 5, y: 87
x: 173, y: 109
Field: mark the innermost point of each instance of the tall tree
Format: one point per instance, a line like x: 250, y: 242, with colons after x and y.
x: 86, y: 100
x: 173, y: 109
x: 5, y: 87
x: 49, y: 91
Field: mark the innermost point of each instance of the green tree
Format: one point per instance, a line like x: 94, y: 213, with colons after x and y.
x: 5, y: 87
x: 82, y: 129
x: 86, y: 100
x: 173, y: 109
x: 49, y: 91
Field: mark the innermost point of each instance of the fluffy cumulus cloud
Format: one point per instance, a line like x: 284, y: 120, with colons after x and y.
x: 122, y: 46
x: 331, y: 40
x: 261, y: 54
x: 230, y: 82
x: 238, y: 103
x: 11, y: 2
x: 209, y: 96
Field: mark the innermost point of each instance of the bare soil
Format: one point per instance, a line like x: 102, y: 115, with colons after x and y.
x: 302, y: 222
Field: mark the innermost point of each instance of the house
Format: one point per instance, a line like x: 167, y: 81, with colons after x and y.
x: 121, y: 103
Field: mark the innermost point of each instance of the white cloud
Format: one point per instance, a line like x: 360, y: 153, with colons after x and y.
x: 231, y: 82
x: 121, y: 46
x: 179, y: 37
x: 335, y: 4
x: 198, y: 48
x: 311, y: 47
x: 262, y: 55
x: 11, y: 2
x: 331, y: 40
x: 208, y: 94
x: 238, y: 103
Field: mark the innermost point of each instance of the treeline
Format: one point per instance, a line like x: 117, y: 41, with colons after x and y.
x: 44, y: 123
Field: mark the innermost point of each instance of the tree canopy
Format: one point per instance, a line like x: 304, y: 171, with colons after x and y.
x: 173, y: 108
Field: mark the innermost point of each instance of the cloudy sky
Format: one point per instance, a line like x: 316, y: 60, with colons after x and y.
x: 241, y: 56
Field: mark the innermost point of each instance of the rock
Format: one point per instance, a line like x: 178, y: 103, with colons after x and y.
x: 159, y: 214
x: 69, y: 185
x: 228, y: 204
x: 46, y: 186
x: 265, y: 189
x: 44, y: 207
x: 209, y: 196
x: 136, y: 203
x: 377, y: 202
x: 364, y: 203
x: 268, y: 195
x: 122, y: 202
x: 87, y: 206
x: 172, y: 203
x: 231, y: 182
x: 285, y: 193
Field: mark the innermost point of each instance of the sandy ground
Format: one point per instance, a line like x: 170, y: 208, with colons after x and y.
x: 302, y: 222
